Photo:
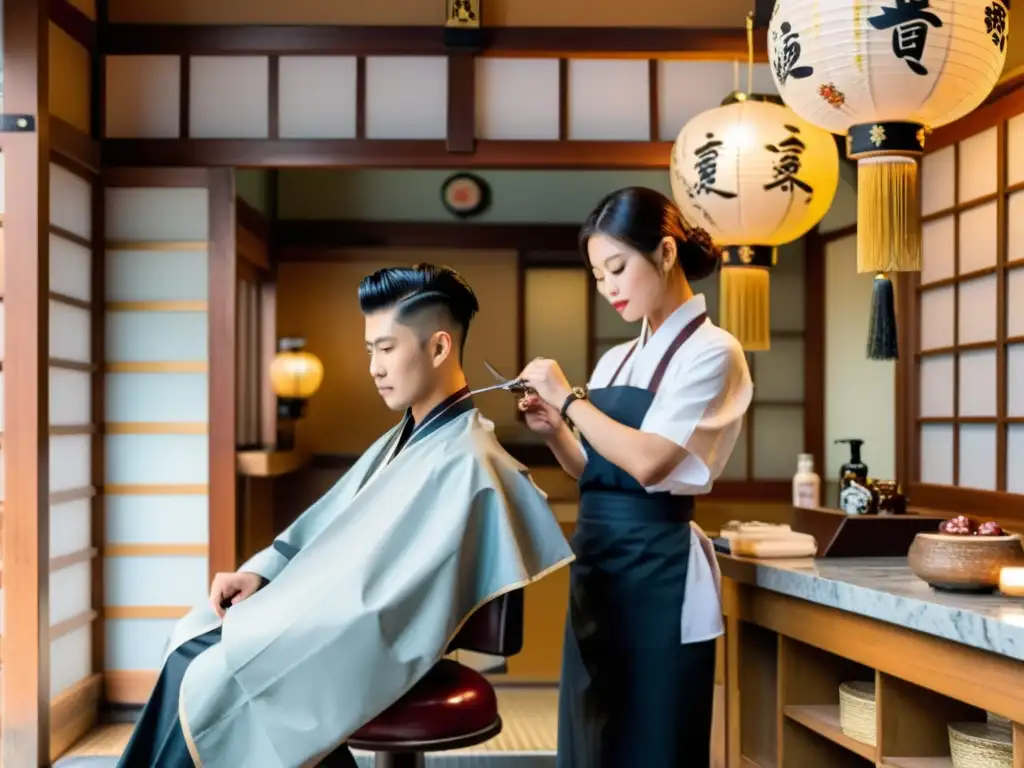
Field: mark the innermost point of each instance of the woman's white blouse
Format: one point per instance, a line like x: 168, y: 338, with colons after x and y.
x: 699, y: 405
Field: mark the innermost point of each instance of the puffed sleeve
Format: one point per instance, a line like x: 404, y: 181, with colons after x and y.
x: 700, y: 406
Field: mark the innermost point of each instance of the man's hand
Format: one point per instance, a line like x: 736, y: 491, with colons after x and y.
x: 232, y: 588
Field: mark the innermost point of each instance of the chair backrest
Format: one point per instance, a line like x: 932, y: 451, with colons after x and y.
x: 496, y: 628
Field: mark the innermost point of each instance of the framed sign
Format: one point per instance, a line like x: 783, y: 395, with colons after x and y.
x: 465, y: 195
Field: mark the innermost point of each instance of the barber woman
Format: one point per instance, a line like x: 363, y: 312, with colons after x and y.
x: 656, y: 426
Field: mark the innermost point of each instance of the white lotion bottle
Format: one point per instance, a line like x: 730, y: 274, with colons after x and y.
x: 806, y: 483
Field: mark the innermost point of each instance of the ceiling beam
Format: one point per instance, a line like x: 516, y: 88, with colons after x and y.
x: 321, y: 40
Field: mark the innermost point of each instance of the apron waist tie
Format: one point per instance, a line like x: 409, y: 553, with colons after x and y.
x: 624, y: 506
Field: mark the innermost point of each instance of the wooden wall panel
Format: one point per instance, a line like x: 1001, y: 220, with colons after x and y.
x: 317, y: 301
x: 143, y: 97
x: 516, y: 13
x: 156, y: 410
x: 70, y: 80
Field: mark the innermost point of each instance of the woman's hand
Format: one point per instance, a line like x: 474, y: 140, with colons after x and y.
x: 544, y: 376
x: 541, y: 418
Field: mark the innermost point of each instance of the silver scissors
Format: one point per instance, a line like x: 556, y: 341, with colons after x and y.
x: 508, y: 385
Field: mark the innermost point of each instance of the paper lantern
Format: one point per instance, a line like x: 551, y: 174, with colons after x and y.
x: 295, y: 374
x: 756, y: 176
x: 885, y: 73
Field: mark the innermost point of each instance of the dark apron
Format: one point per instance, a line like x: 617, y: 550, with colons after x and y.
x: 632, y: 695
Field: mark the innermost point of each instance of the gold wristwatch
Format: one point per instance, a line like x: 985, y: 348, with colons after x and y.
x: 576, y: 393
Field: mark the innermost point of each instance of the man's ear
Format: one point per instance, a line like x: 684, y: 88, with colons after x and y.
x: 441, y: 346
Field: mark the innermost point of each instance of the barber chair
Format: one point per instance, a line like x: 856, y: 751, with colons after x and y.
x: 453, y: 706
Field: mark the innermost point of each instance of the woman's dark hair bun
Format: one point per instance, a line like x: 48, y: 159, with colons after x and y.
x: 641, y: 218
x: 698, y: 255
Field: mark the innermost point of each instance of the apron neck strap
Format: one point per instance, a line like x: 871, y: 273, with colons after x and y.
x: 677, y: 342
x: 659, y: 372
x: 622, y: 365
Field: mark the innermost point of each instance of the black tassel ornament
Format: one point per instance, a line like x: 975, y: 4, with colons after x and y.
x: 882, y: 341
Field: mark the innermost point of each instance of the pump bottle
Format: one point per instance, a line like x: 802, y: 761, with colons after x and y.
x: 854, y: 469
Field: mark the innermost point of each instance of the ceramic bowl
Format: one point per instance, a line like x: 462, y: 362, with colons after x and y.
x: 963, y: 563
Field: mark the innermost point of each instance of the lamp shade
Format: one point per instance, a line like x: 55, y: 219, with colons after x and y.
x: 295, y: 374
x: 754, y: 173
x: 885, y: 72
x: 928, y: 62
x: 756, y: 176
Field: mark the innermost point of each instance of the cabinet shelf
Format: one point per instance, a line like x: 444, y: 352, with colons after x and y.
x: 788, y: 706
x: 823, y: 719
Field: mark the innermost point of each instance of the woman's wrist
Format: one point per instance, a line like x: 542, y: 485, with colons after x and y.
x: 556, y: 437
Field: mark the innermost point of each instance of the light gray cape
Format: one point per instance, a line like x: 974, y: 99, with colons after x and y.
x: 384, y: 577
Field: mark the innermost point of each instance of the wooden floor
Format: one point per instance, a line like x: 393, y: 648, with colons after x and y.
x: 529, y: 715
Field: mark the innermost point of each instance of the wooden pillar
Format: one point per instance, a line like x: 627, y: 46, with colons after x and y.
x: 223, y: 270
x: 25, y: 693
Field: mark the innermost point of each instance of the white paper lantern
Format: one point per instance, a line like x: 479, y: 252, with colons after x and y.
x: 756, y: 176
x: 929, y: 62
x: 885, y: 72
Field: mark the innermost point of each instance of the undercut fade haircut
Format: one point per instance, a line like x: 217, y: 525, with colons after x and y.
x: 420, y: 294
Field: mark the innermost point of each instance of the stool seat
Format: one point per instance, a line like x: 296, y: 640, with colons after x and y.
x: 451, y: 707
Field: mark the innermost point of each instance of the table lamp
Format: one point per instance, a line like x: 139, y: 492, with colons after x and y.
x: 295, y: 376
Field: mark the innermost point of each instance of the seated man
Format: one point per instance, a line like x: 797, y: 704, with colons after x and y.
x: 316, y: 635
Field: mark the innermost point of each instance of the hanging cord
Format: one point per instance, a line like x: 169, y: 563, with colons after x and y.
x: 750, y: 53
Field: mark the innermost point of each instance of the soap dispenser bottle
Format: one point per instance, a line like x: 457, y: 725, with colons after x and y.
x: 854, y: 469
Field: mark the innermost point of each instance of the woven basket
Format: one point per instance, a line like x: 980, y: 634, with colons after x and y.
x: 980, y: 745
x: 857, y: 711
x: 998, y: 720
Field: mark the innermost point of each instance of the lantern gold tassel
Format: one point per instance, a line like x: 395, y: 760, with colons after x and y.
x: 883, y: 343
x: 745, y: 306
x: 888, y: 215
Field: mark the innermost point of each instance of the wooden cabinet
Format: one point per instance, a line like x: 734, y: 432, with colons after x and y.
x: 786, y: 658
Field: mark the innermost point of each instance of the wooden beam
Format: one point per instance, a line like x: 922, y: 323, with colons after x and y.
x: 78, y: 26
x: 311, y: 40
x: 377, y: 153
x: 461, y: 102
x: 1005, y: 101
x: 223, y: 270
x: 814, y: 346
x: 98, y: 414
x: 321, y: 240
x: 25, y: 690
x: 74, y: 149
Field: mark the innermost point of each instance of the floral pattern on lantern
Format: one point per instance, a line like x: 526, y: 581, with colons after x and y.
x: 756, y: 176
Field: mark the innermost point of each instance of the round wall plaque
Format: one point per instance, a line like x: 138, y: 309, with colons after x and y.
x: 465, y: 195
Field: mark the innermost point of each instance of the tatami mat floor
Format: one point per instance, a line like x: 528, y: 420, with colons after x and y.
x: 529, y: 715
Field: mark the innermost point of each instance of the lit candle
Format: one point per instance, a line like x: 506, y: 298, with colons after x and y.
x: 1011, y: 581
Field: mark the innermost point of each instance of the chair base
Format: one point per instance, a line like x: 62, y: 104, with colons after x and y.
x: 414, y: 754
x: 399, y: 760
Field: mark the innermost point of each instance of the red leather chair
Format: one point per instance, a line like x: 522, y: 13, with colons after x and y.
x: 453, y: 706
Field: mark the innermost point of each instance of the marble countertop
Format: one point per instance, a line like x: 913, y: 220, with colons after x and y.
x: 884, y: 588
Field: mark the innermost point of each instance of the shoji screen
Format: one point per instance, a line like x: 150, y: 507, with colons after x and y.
x: 967, y: 408
x: 72, y: 430
x: 157, y: 465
